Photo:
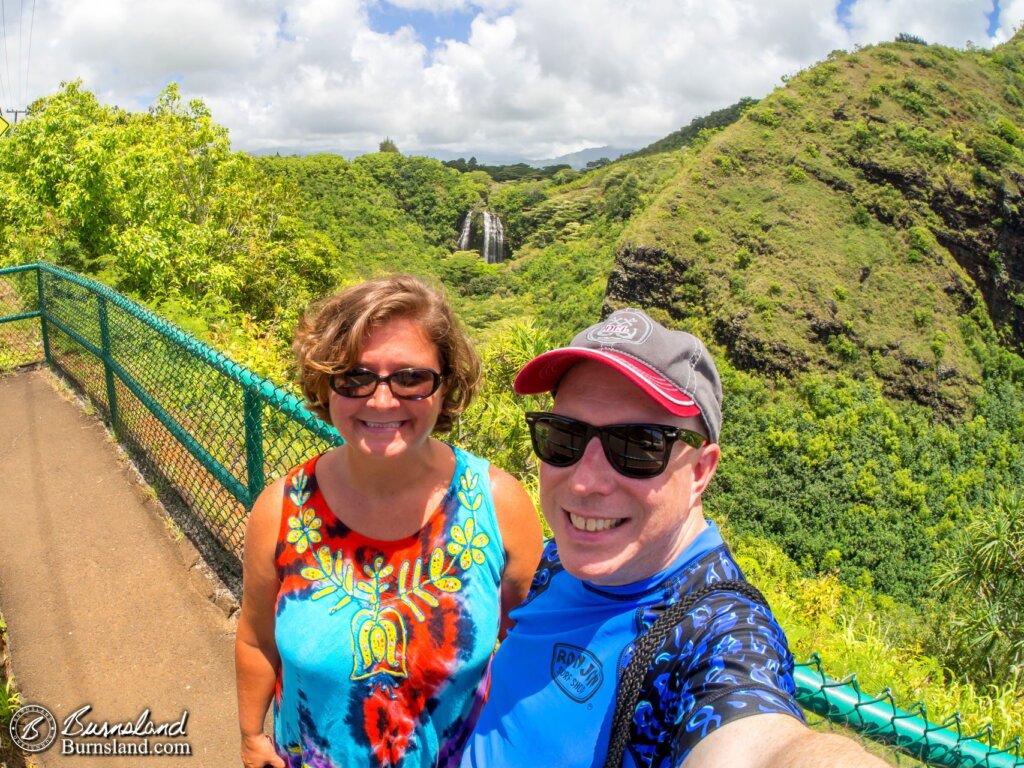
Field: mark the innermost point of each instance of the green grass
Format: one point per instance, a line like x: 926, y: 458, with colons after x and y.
x: 10, y: 701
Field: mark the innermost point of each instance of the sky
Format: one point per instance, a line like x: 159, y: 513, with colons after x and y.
x: 498, y: 79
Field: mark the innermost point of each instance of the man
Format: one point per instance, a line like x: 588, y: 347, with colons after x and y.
x: 626, y: 454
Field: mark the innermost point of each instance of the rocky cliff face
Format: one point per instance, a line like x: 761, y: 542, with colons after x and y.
x: 642, y: 279
x: 983, y: 232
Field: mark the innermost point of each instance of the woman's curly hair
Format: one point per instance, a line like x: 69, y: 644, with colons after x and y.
x: 331, y: 335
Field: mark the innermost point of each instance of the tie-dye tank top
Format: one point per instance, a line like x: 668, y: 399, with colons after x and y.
x: 384, y: 645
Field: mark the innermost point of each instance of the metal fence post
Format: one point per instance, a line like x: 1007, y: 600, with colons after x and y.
x: 42, y: 315
x: 253, y: 443
x: 108, y: 359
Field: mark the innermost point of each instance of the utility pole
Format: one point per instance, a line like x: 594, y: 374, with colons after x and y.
x: 17, y: 112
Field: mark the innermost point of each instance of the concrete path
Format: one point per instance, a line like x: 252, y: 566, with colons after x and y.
x: 101, y: 605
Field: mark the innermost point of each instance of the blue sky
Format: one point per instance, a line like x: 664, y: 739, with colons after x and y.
x: 454, y: 24
x: 431, y: 27
x: 993, y: 19
x: 498, y: 79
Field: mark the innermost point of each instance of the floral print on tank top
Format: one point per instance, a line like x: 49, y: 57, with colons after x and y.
x: 396, y: 616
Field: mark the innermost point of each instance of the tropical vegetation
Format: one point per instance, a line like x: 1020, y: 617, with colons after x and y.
x: 849, y: 246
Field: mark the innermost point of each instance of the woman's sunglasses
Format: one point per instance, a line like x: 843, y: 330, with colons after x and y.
x: 633, y: 450
x: 406, y: 384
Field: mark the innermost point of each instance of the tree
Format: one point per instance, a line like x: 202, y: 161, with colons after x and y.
x: 906, y: 37
x: 983, y: 578
x: 388, y: 145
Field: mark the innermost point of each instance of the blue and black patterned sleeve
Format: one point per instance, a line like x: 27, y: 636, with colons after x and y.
x: 549, y: 565
x: 728, y: 659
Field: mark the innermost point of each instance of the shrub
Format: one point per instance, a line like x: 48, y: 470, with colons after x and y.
x: 765, y: 116
x: 924, y: 142
x: 842, y: 347
x: 922, y: 243
x: 938, y: 346
x: 727, y: 163
x: 993, y: 151
x: 822, y: 74
x: 795, y: 174
x: 906, y: 37
x: 1008, y: 132
x: 701, y: 235
x: 863, y: 135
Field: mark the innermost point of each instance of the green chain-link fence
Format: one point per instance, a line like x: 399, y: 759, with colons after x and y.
x: 215, y: 433
x: 200, y: 425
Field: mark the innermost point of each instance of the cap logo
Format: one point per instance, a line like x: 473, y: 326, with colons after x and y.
x: 626, y: 327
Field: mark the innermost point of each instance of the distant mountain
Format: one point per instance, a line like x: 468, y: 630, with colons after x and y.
x: 579, y: 160
x: 443, y: 155
x: 303, y: 151
x: 483, y: 157
x: 720, y: 118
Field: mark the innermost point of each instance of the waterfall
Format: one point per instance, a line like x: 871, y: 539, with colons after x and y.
x: 494, y: 239
x: 463, y: 244
x: 490, y: 242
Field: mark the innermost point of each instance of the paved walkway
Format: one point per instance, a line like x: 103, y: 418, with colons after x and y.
x: 103, y: 607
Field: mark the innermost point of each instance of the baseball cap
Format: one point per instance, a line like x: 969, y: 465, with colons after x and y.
x: 674, y: 368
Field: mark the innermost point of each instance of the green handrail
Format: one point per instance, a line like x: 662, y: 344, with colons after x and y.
x: 843, y: 703
x: 840, y: 702
x: 262, y: 388
x: 256, y: 389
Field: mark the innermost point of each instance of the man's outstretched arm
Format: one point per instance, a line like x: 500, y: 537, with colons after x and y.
x: 777, y: 741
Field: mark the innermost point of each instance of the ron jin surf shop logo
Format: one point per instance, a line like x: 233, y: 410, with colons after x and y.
x: 576, y: 671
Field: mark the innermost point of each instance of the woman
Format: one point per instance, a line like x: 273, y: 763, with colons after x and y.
x: 378, y: 574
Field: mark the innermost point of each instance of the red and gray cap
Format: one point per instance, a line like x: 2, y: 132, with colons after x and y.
x: 673, y: 367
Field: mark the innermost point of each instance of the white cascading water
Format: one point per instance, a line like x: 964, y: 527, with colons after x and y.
x: 494, y: 239
x: 463, y: 244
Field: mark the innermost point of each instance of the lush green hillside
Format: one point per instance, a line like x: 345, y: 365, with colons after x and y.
x: 863, y: 218
x: 849, y: 245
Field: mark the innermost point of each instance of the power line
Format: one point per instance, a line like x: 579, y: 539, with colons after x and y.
x: 21, y: 37
x: 7, y: 60
x: 28, y: 59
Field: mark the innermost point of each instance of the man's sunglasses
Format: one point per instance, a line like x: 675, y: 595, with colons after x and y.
x: 633, y: 450
x: 406, y: 384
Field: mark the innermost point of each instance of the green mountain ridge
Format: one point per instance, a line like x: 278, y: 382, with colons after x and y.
x: 864, y: 217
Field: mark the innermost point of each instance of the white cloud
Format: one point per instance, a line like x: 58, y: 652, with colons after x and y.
x: 534, y: 78
x: 1011, y: 17
x: 951, y: 22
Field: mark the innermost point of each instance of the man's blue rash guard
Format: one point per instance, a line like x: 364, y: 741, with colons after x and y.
x: 555, y: 676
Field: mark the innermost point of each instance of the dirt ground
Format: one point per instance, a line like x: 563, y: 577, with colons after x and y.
x: 105, y: 605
